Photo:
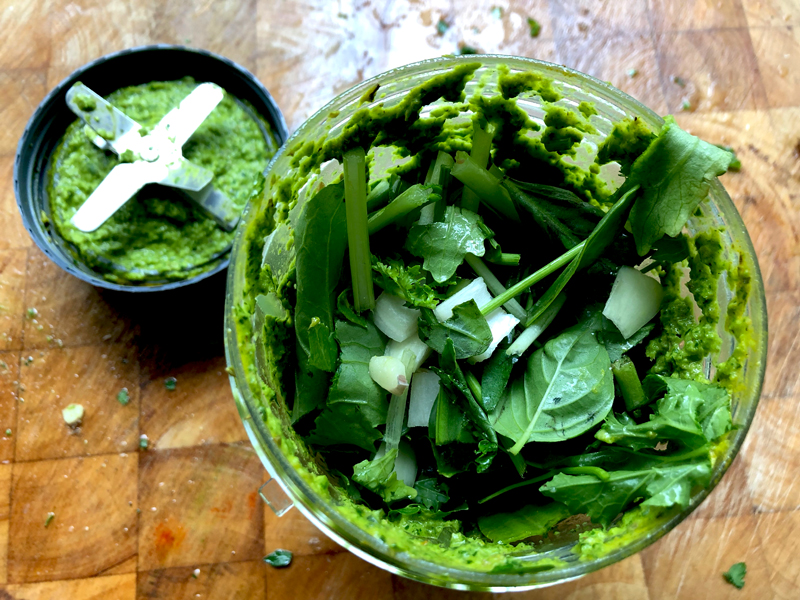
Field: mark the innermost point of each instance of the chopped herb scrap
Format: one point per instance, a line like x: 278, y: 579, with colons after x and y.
x: 49, y: 519
x: 442, y: 27
x: 279, y: 558
x: 736, y: 574
x: 170, y: 383
x: 534, y: 27
x: 123, y: 397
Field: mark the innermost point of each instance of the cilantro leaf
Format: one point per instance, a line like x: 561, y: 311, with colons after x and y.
x: 735, y: 575
x: 675, y: 173
x: 443, y: 245
x: 379, y: 476
x: 467, y: 328
x: 405, y: 281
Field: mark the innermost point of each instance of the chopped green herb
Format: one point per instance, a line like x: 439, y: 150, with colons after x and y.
x: 144, y: 442
x: 73, y: 415
x: 497, y: 12
x: 736, y: 164
x: 467, y: 50
x: 633, y: 72
x: 28, y: 361
x: 8, y: 432
x: 534, y: 26
x: 49, y: 519
x: 123, y: 397
x: 31, y: 313
x: 442, y: 27
x: 686, y: 105
x: 170, y: 383
x: 279, y: 558
x: 679, y: 81
x: 3, y: 365
x: 735, y: 575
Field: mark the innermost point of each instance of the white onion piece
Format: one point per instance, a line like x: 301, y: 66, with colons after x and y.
x: 501, y: 325
x: 405, y: 465
x: 423, y: 395
x: 412, y: 343
x: 635, y: 299
x: 389, y: 373
x: 393, y: 318
x: 476, y: 290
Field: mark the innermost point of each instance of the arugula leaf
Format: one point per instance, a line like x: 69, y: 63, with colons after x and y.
x: 378, y: 476
x: 735, y: 575
x: 352, y: 383
x: 616, y: 345
x: 691, y: 414
x: 345, y: 308
x: 467, y: 328
x: 453, y: 379
x: 659, y: 484
x: 322, y: 346
x: 405, y: 281
x: 560, y: 213
x: 668, y: 250
x: 320, y: 241
x: 524, y: 523
x: 496, y: 374
x: 675, y: 173
x: 443, y: 245
x: 567, y: 389
x: 344, y: 424
x: 432, y: 493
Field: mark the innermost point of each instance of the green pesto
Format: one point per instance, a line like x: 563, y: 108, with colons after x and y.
x: 157, y: 235
x: 738, y: 324
x: 627, y: 140
x: 85, y: 102
x: 515, y: 148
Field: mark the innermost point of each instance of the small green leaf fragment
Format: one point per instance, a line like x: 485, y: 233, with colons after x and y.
x: 279, y: 559
x: 170, y: 383
x: 144, y: 441
x: 442, y: 26
x: 633, y: 73
x: 679, y: 81
x: 123, y: 397
x: 31, y: 313
x: 686, y: 105
x: 467, y: 50
x: 8, y: 432
x: 535, y: 27
x: 52, y: 515
x: 735, y: 575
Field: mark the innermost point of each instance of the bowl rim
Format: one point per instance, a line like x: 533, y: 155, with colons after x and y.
x: 34, y: 226
x: 356, y: 539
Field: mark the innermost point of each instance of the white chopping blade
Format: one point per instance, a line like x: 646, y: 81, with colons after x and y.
x: 152, y: 158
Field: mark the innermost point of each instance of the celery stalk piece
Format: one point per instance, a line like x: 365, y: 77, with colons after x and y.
x: 483, y: 183
x: 535, y: 329
x: 493, y: 283
x: 437, y: 174
x: 629, y: 383
x: 355, y: 197
x: 414, y: 197
x: 481, y: 148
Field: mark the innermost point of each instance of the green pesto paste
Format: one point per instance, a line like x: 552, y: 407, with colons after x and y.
x: 158, y: 235
x: 520, y: 145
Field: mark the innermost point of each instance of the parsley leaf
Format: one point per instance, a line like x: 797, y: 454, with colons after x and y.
x: 379, y: 476
x: 405, y: 281
x: 735, y: 575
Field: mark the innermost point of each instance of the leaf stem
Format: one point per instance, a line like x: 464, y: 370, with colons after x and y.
x: 538, y: 479
x: 355, y: 196
x: 481, y: 148
x: 494, y: 285
x: 414, y: 197
x: 484, y: 184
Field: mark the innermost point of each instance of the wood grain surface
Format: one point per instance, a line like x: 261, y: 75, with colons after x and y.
x: 136, y: 524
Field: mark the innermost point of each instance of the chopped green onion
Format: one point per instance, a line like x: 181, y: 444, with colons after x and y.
x: 481, y: 148
x: 629, y: 383
x: 493, y: 283
x: 536, y: 328
x: 414, y: 197
x: 483, y: 183
x: 355, y: 197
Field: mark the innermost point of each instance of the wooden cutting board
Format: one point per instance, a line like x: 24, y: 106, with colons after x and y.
x: 133, y: 523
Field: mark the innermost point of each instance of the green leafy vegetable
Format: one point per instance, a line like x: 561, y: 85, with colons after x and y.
x: 279, y: 559
x: 528, y: 521
x: 320, y: 241
x: 568, y: 388
x: 616, y: 344
x: 675, y: 174
x: 443, y: 245
x: 496, y: 373
x: 405, y: 281
x: 431, y: 493
x: 346, y: 309
x: 344, y: 424
x: 668, y: 250
x: 735, y: 575
x: 355, y: 193
x: 448, y: 423
x: 378, y: 476
x: 322, y: 346
x: 467, y: 328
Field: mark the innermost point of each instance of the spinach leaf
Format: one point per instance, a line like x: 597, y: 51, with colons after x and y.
x: 323, y: 349
x: 560, y: 213
x: 660, y: 484
x: 467, y: 329
x: 691, y: 414
x: 675, y: 173
x: 668, y: 250
x: 593, y: 247
x: 453, y: 379
x: 495, y: 377
x: 568, y: 388
x: 616, y: 344
x: 405, y: 281
x: 352, y: 383
x: 443, y: 245
x: 431, y: 493
x: 320, y: 241
x: 524, y: 523
x: 345, y: 308
x: 344, y: 424
x: 379, y: 476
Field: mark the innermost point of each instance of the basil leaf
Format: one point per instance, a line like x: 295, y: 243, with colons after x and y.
x: 568, y: 388
x: 526, y: 522
x: 675, y: 173
x: 467, y: 328
x: 320, y: 241
x: 352, y: 383
x: 443, y: 245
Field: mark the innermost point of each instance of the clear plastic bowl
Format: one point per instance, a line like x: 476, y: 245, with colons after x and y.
x: 268, y: 424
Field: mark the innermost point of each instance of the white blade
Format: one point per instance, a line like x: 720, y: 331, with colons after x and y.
x: 180, y: 123
x: 115, y: 190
